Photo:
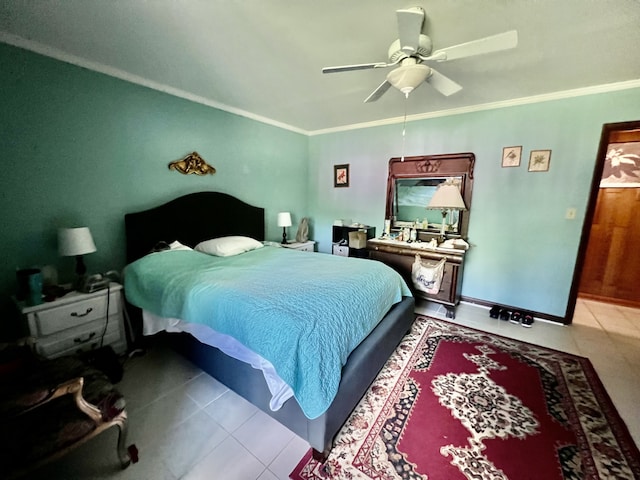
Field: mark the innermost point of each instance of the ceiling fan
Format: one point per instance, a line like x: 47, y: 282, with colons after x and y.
x: 412, y: 49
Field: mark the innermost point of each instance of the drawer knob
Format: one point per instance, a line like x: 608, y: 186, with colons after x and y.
x: 75, y: 314
x: 83, y: 340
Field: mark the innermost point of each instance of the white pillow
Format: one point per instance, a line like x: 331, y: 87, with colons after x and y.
x: 228, y: 246
x: 178, y: 246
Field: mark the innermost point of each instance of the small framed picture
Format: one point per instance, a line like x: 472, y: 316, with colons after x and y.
x: 621, y: 166
x: 539, y: 160
x: 341, y: 175
x: 511, y: 156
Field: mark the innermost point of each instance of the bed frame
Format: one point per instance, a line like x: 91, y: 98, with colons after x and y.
x: 201, y: 216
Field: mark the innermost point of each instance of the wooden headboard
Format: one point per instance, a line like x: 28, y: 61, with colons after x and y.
x: 191, y: 219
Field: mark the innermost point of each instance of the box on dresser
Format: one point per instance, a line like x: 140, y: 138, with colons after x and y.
x: 351, y: 240
x: 77, y: 322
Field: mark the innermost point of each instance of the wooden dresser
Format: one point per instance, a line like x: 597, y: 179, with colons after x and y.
x: 401, y: 255
x: 411, y: 184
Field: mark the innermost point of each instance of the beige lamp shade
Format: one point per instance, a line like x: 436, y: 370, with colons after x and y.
x: 447, y: 197
x: 284, y: 219
x: 75, y: 241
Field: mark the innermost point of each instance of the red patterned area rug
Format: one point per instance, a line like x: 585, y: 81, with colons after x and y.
x: 457, y: 403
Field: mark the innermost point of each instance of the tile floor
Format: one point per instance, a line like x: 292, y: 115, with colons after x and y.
x: 189, y: 426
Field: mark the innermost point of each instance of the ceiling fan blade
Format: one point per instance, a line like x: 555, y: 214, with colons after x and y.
x: 378, y: 92
x: 494, y: 43
x: 362, y: 66
x: 443, y: 84
x: 409, y: 28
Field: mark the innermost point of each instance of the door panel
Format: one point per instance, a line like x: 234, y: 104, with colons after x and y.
x: 611, y: 269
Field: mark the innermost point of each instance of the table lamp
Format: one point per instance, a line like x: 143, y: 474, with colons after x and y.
x: 76, y: 242
x: 446, y: 199
x: 284, y: 221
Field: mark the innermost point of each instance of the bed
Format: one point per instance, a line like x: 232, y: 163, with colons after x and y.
x: 197, y: 217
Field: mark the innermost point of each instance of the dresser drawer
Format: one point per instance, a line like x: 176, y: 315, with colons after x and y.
x: 343, y: 251
x: 80, y: 339
x: 448, y: 293
x: 60, y: 318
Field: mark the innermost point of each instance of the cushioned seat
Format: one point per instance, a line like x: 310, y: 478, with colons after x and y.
x: 49, y: 407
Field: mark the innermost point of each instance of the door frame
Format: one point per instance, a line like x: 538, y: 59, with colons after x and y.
x: 607, y: 129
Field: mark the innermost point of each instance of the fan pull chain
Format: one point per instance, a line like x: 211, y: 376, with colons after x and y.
x: 404, y: 124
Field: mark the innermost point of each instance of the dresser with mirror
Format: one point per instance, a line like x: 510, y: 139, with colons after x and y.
x: 436, y: 234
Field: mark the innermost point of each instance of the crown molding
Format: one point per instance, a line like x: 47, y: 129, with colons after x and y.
x: 48, y: 51
x: 128, y: 77
x: 547, y: 97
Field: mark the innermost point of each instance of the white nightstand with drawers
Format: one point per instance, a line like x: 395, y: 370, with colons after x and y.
x: 308, y: 246
x: 77, y: 322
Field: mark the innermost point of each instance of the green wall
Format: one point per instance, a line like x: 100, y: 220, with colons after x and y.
x: 523, y: 249
x: 79, y: 148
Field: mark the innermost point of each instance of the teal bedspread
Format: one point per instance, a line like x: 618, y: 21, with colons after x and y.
x: 304, y: 312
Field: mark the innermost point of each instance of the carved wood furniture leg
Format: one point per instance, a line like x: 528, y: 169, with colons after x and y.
x: 451, y: 312
x: 32, y: 416
x: 123, y: 430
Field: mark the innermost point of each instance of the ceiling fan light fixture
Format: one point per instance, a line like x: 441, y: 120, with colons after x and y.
x: 408, y: 77
x: 412, y: 48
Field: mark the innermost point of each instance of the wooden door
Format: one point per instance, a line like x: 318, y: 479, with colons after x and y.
x: 611, y: 269
x: 612, y: 265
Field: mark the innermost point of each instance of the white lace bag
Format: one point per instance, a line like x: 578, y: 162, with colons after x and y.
x: 427, y: 275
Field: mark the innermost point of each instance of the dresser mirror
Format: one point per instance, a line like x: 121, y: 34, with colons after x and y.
x: 412, y: 183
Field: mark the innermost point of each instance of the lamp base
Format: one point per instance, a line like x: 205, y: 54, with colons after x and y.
x: 81, y: 269
x: 444, y: 217
x: 284, y: 236
x: 81, y: 274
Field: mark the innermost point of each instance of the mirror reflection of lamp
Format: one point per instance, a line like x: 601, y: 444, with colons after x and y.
x: 76, y: 242
x: 284, y: 221
x: 446, y: 199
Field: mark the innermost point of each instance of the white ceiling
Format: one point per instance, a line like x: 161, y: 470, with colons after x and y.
x: 263, y: 58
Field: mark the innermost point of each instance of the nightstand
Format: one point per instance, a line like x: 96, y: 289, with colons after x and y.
x: 308, y: 246
x: 76, y: 322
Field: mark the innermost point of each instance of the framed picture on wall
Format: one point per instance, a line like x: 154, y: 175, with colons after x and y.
x: 621, y: 166
x: 539, y: 160
x: 341, y: 175
x: 511, y: 156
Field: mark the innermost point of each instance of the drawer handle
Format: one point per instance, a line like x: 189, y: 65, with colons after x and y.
x: 83, y: 340
x: 89, y: 310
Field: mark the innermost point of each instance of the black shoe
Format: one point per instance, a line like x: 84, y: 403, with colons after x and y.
x: 494, y: 312
x: 516, y: 317
x: 527, y: 320
x: 505, y: 314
